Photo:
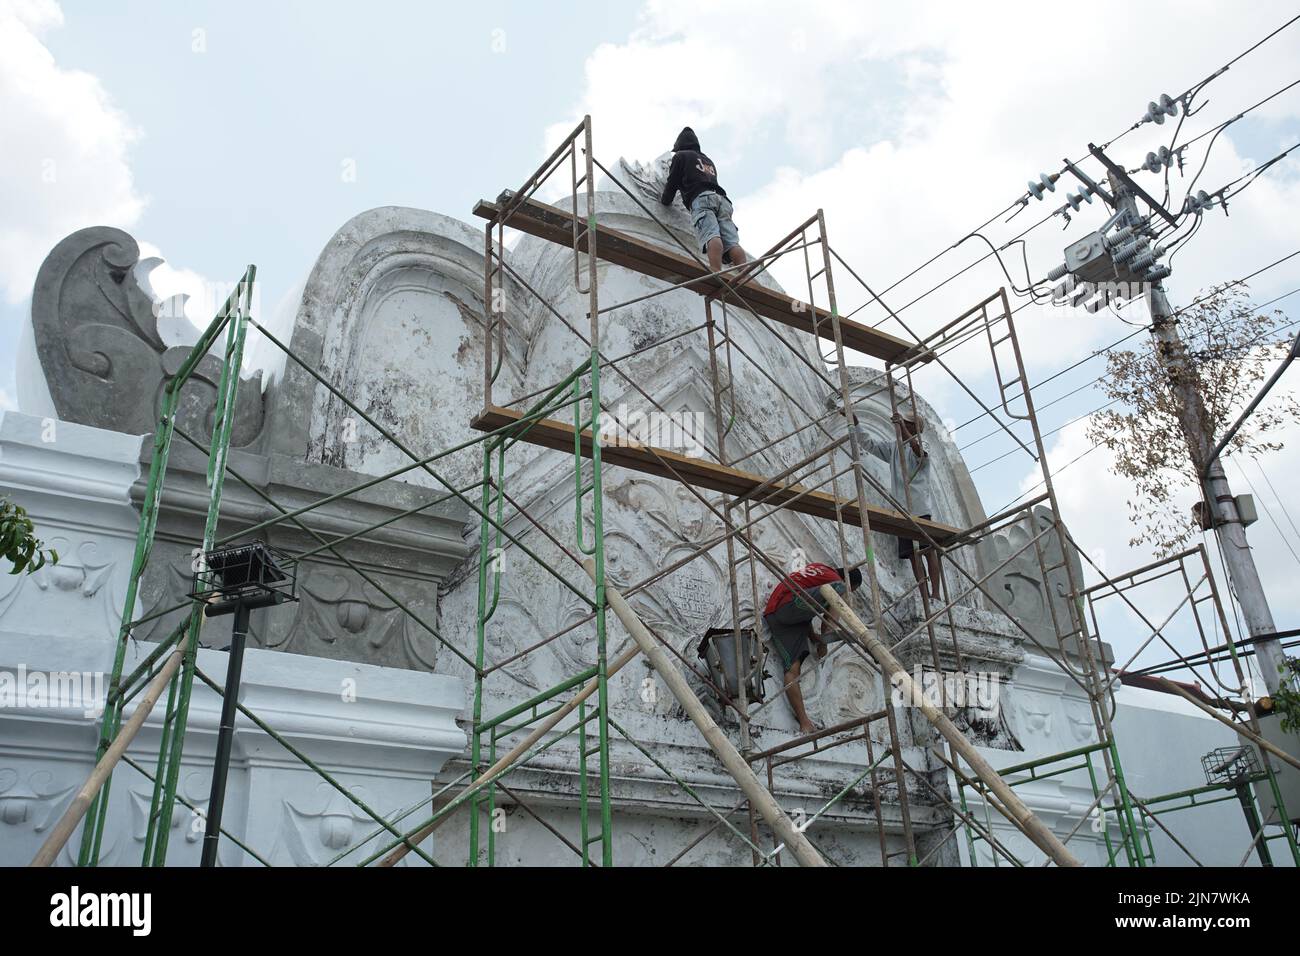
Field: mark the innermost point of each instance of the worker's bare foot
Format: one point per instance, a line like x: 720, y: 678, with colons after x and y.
x: 806, y: 728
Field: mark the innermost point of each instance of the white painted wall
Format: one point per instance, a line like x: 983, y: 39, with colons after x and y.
x: 381, y: 732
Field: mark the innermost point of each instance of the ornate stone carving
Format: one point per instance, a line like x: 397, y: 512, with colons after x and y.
x: 313, y: 837
x: 82, y: 572
x: 392, y: 316
x: 337, y: 605
x: 185, y: 823
x: 35, y: 800
x: 645, y: 179
x: 104, y: 361
x: 1038, y: 601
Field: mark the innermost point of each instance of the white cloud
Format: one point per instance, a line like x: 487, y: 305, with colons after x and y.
x: 64, y: 163
x: 188, y: 301
x: 164, y: 281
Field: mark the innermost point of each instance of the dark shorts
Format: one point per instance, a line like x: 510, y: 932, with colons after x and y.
x: 789, y: 625
x: 906, y: 545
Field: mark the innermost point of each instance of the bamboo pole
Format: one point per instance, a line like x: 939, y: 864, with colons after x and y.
x: 67, y: 824
x: 1253, y: 737
x: 763, y: 801
x: 500, y: 767
x: 1024, y: 818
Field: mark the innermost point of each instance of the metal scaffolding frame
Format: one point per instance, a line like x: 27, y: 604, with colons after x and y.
x: 829, y: 484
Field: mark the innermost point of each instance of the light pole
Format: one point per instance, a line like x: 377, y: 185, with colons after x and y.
x: 236, y: 580
x: 1111, y: 264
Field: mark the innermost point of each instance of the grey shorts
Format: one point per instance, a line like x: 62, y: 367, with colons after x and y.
x: 790, y: 624
x: 711, y: 216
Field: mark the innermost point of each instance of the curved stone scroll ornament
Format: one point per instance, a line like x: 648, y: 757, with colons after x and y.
x: 104, y: 362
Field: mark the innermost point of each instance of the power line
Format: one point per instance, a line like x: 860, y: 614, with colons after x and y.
x: 1023, y: 201
x: 1251, y: 485
x: 1058, y: 428
x: 1216, y: 130
x: 1278, y: 498
x: 1254, y: 173
x: 1095, y: 445
x: 1254, y: 403
x: 1055, y: 472
x: 1111, y: 347
x: 1248, y: 50
x: 1192, y: 91
x: 1120, y: 341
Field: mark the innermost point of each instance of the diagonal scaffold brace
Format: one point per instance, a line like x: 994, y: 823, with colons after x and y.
x: 893, y: 671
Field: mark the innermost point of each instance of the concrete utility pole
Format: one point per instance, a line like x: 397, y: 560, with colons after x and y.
x: 1197, y: 429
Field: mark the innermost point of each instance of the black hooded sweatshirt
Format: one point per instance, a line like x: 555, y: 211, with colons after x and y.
x: 691, y: 171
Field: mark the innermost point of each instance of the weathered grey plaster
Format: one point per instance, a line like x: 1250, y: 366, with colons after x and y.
x: 104, y: 362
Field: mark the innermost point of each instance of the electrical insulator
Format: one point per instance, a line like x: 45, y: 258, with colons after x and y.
x: 1158, y: 273
x: 1074, y: 199
x: 1146, y: 259
x: 1058, y: 273
x: 1127, y: 250
x: 1119, y: 236
x: 1062, y: 291
x: 1160, y: 159
x: 1157, y: 110
x: 1045, y: 183
x: 1198, y: 203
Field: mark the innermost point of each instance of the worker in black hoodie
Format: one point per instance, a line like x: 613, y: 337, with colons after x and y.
x: 696, y: 177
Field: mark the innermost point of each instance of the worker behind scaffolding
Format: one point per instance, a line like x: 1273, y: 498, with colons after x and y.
x: 910, y: 485
x: 792, y: 608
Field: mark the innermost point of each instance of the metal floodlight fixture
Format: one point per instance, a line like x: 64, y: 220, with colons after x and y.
x: 253, y: 575
x: 1235, y: 768
x: 1230, y: 764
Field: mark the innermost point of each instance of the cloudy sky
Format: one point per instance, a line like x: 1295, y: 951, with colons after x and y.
x: 232, y: 132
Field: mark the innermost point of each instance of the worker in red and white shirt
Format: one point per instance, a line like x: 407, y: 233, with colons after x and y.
x: 789, y: 614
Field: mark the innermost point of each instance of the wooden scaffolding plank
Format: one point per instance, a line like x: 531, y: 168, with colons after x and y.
x: 556, y: 225
x: 706, y: 474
